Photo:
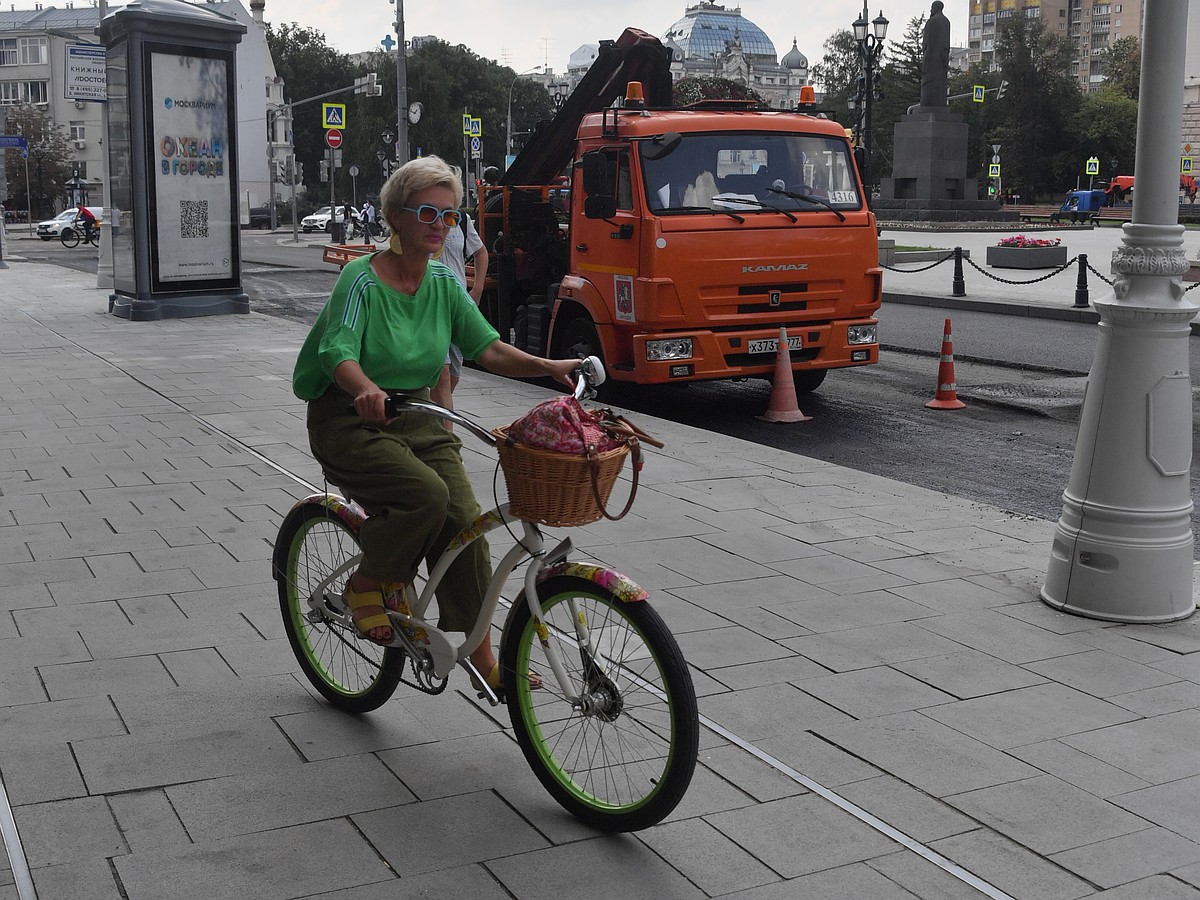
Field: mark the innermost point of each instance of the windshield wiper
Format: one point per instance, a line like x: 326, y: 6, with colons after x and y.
x: 757, y: 203
x: 808, y: 198
x: 707, y: 209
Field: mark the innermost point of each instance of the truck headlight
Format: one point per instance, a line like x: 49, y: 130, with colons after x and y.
x: 861, y: 334
x: 675, y: 348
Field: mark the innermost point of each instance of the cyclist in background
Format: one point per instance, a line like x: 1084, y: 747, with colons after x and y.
x: 85, y: 218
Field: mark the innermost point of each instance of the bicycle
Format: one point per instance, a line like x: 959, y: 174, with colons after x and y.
x: 611, y: 732
x: 87, y: 231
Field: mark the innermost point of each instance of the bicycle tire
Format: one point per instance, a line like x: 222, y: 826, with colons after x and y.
x: 625, y: 763
x: 92, y: 237
x: 354, y: 674
x: 70, y: 238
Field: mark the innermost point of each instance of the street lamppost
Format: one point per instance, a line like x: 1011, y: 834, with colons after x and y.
x: 401, y: 87
x: 870, y: 46
x: 508, y: 131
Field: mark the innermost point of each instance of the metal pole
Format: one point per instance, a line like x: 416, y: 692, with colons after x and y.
x: 1081, y: 287
x: 295, y: 168
x: 1122, y: 549
x: 401, y: 88
x: 104, y: 269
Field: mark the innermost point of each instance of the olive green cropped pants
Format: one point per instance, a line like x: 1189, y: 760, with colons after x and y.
x: 410, y: 477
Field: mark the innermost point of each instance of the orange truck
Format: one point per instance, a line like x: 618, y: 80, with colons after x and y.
x: 688, y: 236
x: 1120, y: 188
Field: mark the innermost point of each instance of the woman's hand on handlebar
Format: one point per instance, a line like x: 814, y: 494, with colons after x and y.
x: 371, y: 404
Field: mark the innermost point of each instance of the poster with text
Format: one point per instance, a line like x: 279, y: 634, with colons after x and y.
x: 192, y: 167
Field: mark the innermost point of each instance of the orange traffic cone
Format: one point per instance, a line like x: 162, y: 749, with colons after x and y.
x: 946, y: 396
x: 783, y: 406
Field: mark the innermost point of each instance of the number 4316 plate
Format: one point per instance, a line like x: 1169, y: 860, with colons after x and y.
x: 771, y: 345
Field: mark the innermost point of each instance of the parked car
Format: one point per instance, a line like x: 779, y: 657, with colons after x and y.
x: 260, y: 217
x: 318, y: 221
x: 63, y: 223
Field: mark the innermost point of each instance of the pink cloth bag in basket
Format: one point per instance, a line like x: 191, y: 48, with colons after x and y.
x: 562, y: 425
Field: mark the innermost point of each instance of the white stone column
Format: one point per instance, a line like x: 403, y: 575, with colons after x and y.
x: 1123, y: 549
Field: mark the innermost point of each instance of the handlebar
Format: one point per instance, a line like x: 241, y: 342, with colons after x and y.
x: 591, y: 376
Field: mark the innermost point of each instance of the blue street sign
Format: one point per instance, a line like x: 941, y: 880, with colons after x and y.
x: 13, y: 142
x: 388, y: 42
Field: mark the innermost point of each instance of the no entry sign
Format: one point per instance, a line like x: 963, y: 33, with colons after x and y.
x: 333, y: 138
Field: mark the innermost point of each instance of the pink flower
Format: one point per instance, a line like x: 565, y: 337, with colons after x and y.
x: 1021, y: 241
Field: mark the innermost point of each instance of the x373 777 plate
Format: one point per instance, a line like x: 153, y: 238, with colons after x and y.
x: 770, y: 345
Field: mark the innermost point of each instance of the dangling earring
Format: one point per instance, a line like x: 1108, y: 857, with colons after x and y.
x: 394, y: 244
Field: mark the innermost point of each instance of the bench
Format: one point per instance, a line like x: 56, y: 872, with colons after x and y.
x: 1119, y: 214
x: 340, y: 254
x: 1031, y: 213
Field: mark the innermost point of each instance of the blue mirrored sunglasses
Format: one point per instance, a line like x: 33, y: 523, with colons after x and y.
x: 427, y: 214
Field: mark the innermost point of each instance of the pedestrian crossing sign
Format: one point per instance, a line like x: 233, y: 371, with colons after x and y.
x: 333, y: 115
x: 1093, y: 166
x: 977, y: 92
x: 476, y: 127
x: 467, y: 124
x: 994, y: 170
x: 1185, y: 165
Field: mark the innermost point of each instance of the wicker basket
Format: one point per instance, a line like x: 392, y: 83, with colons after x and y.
x: 556, y: 488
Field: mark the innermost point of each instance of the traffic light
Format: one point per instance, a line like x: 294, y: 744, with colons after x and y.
x: 299, y: 173
x: 324, y: 170
x: 277, y: 173
x: 877, y: 85
x: 369, y: 85
x: 1002, y: 88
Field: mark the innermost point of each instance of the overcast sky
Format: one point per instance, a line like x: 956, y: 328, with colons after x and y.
x: 527, y: 33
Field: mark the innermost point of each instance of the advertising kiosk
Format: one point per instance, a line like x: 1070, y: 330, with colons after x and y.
x: 172, y: 153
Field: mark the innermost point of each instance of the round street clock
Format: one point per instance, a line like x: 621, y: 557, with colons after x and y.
x: 414, y: 112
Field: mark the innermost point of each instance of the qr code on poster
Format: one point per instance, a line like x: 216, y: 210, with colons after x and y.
x: 193, y: 218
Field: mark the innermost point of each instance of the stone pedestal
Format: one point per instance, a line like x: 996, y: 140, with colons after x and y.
x: 929, y: 177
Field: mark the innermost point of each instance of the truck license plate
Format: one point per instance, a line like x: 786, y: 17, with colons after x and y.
x: 770, y: 345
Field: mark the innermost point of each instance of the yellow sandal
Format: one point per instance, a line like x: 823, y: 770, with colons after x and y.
x: 369, y: 613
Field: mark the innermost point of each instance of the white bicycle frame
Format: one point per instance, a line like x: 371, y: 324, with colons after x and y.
x: 443, y: 652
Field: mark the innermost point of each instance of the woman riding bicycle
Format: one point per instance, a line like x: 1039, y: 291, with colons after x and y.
x: 387, y: 326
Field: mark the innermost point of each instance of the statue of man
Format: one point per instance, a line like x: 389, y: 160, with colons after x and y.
x: 935, y: 59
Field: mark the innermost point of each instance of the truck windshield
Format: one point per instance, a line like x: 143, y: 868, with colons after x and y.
x: 751, y: 172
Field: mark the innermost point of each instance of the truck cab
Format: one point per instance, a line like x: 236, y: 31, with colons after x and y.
x: 689, y: 236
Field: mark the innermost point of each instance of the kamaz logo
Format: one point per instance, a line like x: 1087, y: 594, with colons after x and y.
x: 785, y: 267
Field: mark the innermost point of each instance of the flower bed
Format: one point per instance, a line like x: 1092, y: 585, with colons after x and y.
x: 1021, y: 252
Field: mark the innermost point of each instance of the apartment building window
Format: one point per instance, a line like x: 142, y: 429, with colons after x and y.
x: 34, y: 51
x: 78, y: 131
x: 24, y: 92
x: 81, y: 168
x: 8, y: 51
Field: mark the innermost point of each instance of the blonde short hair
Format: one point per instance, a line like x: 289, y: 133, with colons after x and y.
x: 417, y: 175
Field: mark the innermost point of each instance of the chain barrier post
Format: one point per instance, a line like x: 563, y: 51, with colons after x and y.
x: 1081, y: 287
x: 959, y: 288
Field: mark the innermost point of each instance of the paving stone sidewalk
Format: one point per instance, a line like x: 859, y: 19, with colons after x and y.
x: 859, y: 645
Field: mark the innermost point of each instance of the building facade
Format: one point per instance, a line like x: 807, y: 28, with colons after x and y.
x: 711, y: 40
x: 33, y: 49
x: 1091, y: 26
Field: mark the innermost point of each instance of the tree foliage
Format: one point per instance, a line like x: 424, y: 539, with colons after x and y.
x: 1123, y: 67
x: 708, y: 87
x: 309, y: 67
x: 447, y: 80
x: 50, y: 164
x: 1040, y: 155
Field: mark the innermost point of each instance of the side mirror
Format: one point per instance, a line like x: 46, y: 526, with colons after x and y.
x: 595, y: 173
x: 599, y: 206
x: 599, y: 203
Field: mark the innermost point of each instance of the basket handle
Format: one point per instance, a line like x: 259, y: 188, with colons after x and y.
x: 594, y: 468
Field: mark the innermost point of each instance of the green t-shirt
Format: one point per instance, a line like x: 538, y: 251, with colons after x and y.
x: 400, y: 340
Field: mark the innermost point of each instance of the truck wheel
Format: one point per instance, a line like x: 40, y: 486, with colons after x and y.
x: 807, y: 382
x: 580, y: 339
